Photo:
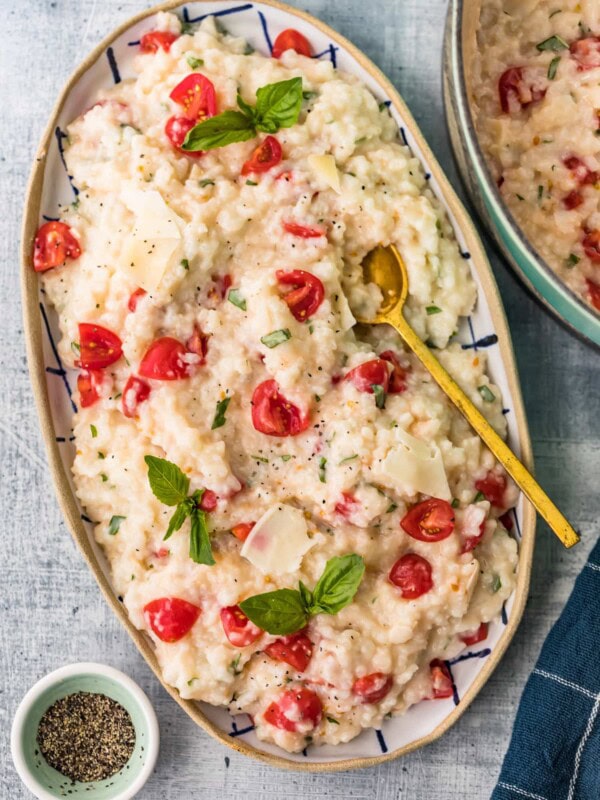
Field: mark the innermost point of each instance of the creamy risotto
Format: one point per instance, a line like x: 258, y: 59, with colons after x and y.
x: 291, y: 508
x: 536, y: 85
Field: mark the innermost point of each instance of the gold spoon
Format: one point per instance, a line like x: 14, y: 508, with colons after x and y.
x: 384, y: 266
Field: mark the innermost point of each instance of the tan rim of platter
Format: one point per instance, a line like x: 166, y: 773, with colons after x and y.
x: 33, y: 337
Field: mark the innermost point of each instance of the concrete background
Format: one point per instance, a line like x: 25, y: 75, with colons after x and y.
x: 52, y: 612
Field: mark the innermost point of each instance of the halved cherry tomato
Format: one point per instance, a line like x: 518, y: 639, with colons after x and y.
x: 88, y: 382
x: 368, y: 374
x: 586, y: 52
x: 176, y: 129
x: 273, y: 414
x: 170, y: 617
x: 238, y: 628
x: 572, y: 200
x: 591, y: 245
x: 135, y: 298
x: 136, y: 391
x: 150, y: 42
x: 594, y: 291
x: 429, y: 521
x: 266, y: 156
x: 476, y: 636
x: 441, y: 680
x: 374, y: 687
x: 412, y: 575
x: 164, y: 360
x: 348, y: 505
x: 196, y: 95
x: 198, y: 344
x: 519, y: 87
x: 291, y: 39
x: 98, y: 347
x: 209, y: 500
x: 580, y: 170
x: 298, y: 710
x: 242, y: 530
x: 397, y: 380
x: 492, y: 487
x: 307, y: 294
x: 303, y: 231
x: 295, y: 650
x: 53, y: 244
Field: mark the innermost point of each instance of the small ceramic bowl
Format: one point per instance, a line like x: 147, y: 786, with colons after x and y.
x: 571, y: 310
x: 44, y: 781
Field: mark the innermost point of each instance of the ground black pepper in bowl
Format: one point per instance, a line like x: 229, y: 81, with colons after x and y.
x: 86, y: 737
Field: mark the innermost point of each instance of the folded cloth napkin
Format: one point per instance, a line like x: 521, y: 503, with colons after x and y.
x: 554, y: 753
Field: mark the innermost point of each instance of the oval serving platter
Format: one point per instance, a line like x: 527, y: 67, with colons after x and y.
x: 460, y: 42
x: 485, y: 329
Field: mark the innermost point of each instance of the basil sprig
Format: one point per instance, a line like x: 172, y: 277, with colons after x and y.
x: 171, y: 487
x: 277, y: 106
x: 286, y: 611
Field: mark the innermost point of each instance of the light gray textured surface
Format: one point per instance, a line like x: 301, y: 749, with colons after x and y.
x: 52, y: 611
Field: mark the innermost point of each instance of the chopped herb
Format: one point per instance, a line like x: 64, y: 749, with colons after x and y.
x: 94, y: 431
x: 235, y: 297
x: 219, y: 419
x: 479, y: 497
x: 360, y: 140
x: 276, y: 337
x: 432, y: 310
x: 234, y: 665
x: 496, y: 584
x: 322, y: 469
x: 104, y: 477
x: 383, y: 107
x: 118, y: 394
x: 540, y: 193
x: 554, y: 43
x: 455, y: 503
x: 101, y: 454
x: 248, y: 49
x: 185, y: 263
x: 553, y: 68
x: 309, y: 95
x: 390, y: 508
x: 333, y: 720
x: 251, y: 183
x: 191, y: 680
x: 521, y: 198
x: 261, y: 459
x: 205, y: 182
x: 195, y: 62
x: 285, y: 458
x: 75, y: 347
x: 572, y: 260
x: 379, y: 393
x: 317, y: 398
x: 311, y: 329
x: 486, y: 394
x: 348, y: 458
x: 115, y: 524
x: 554, y: 13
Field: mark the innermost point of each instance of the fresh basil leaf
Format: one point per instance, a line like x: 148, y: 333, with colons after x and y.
x: 236, y: 298
x: 246, y: 109
x: 219, y: 419
x: 554, y: 43
x: 276, y: 337
x: 280, y: 612
x: 225, y: 128
x: 200, y: 548
x: 432, y: 310
x: 278, y: 104
x: 486, y: 393
x: 305, y: 595
x: 167, y: 481
x: 338, y: 584
x: 553, y: 67
x: 180, y: 515
x: 379, y: 393
x: 115, y: 524
x: 195, y: 62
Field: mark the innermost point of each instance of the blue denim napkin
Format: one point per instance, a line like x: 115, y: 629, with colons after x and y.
x: 554, y: 753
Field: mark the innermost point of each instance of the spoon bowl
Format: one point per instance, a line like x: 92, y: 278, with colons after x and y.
x: 384, y: 267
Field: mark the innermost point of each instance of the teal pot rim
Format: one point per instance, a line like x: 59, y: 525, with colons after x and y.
x: 568, y: 307
x: 48, y: 784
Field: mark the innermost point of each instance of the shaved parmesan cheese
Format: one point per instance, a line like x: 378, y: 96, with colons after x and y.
x: 347, y: 320
x: 324, y: 168
x: 278, y: 541
x: 415, y: 466
x: 153, y: 217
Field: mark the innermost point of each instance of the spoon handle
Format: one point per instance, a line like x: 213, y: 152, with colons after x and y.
x: 520, y: 474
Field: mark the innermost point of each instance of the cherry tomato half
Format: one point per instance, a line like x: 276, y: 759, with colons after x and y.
x: 296, y: 710
x: 291, y: 39
x: 374, y: 687
x: 306, y: 295
x: 88, y: 382
x: 476, y: 636
x: 591, y: 245
x: 492, y: 487
x: 412, y: 575
x: 150, y: 42
x: 273, y: 414
x: 98, y: 347
x: 266, y: 156
x: 397, y: 380
x: 368, y: 374
x: 164, y: 360
x: 209, y: 500
x: 594, y: 292
x: 136, y: 391
x: 429, y: 521
x: 170, y: 617
x: 519, y: 87
x: 586, y: 52
x: 196, y: 95
x: 242, y: 530
x: 303, y: 231
x: 295, y: 650
x: 238, y: 628
x: 441, y: 680
x: 135, y: 298
x: 53, y: 244
x: 176, y: 129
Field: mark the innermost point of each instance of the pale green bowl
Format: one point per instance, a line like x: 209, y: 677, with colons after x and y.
x: 44, y: 781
